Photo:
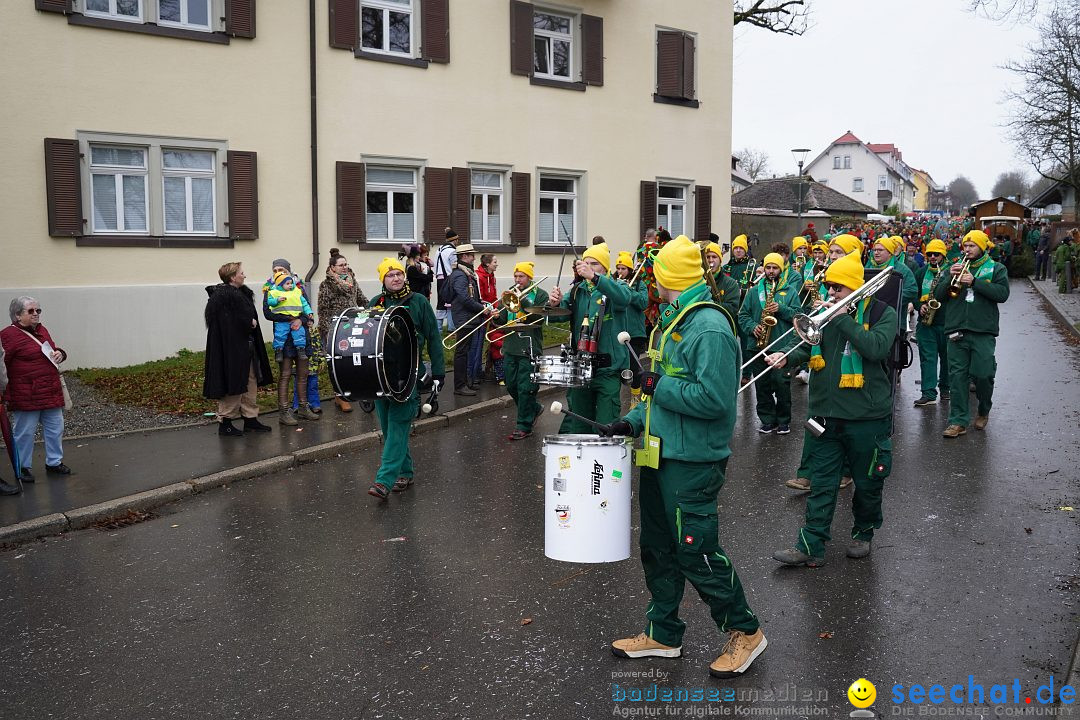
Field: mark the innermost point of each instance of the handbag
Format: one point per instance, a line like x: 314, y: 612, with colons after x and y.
x: 63, y: 383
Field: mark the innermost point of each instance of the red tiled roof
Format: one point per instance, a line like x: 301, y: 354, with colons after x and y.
x: 847, y: 137
x: 884, y: 148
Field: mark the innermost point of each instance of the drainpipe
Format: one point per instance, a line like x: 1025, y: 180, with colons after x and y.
x: 314, y: 147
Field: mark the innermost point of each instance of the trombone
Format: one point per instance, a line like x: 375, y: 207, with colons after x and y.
x: 809, y: 328
x: 511, y: 299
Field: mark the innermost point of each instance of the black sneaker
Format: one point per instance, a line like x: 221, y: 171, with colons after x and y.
x: 60, y: 469
x: 26, y: 476
x: 783, y: 429
x: 925, y: 400
x: 6, y: 489
x: 227, y: 429
x: 945, y: 394
x: 464, y: 390
x: 767, y: 428
x: 255, y: 425
x: 402, y: 484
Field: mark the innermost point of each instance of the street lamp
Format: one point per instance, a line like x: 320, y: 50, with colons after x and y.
x: 800, y: 157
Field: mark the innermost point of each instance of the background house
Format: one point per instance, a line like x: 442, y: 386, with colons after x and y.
x: 739, y: 179
x: 154, y: 141
x: 875, y: 174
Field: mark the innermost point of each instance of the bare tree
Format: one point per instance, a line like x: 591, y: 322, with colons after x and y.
x: 1045, y: 114
x: 1003, y: 10
x: 755, y: 163
x: 1011, y: 183
x: 962, y: 193
x: 784, y: 17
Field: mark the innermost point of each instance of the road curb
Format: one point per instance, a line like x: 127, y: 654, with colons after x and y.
x: 1056, y: 308
x: 80, y: 518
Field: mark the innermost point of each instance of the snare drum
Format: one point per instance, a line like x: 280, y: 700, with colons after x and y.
x: 373, y: 353
x: 567, y: 371
x: 587, y: 498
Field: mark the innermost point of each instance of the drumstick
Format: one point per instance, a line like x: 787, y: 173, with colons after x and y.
x: 426, y: 407
x: 556, y: 408
x: 624, y: 338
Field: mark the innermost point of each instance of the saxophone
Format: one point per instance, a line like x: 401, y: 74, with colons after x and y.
x: 768, y: 322
x: 932, y: 303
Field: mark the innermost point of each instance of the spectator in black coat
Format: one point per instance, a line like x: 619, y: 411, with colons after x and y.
x: 464, y: 305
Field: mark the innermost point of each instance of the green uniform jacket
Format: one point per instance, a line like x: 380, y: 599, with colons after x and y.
x: 736, y: 269
x: 750, y: 313
x: 910, y: 290
x: 920, y: 277
x: 516, y: 342
x: 634, y: 316
x: 874, y: 399
x: 729, y: 294
x: 427, y: 330
x: 693, y: 408
x: 980, y: 314
x: 581, y: 300
x: 1062, y: 255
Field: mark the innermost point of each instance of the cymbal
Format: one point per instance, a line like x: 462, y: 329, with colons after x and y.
x: 547, y: 311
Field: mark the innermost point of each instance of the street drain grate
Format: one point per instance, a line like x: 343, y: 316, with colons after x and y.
x: 131, y: 517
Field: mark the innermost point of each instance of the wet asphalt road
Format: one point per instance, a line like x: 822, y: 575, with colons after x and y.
x: 293, y: 596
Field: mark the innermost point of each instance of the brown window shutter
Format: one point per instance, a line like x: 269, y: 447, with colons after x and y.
x: 243, y: 170
x: 703, y: 212
x: 688, y: 67
x: 669, y: 57
x: 436, y: 205
x: 461, y: 201
x: 351, y: 202
x: 435, y: 30
x: 57, y: 6
x: 63, y: 188
x: 521, y: 37
x: 520, y: 203
x: 592, y: 56
x: 648, y: 206
x: 240, y: 18
x: 344, y: 19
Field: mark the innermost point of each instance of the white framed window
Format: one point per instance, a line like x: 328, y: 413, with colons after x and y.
x: 671, y: 208
x: 836, y: 162
x: 192, y: 14
x: 558, y: 216
x: 387, y: 26
x: 847, y: 162
x: 857, y: 185
x: 882, y: 182
x: 118, y: 189
x: 131, y: 10
x: 553, y: 45
x: 487, y: 207
x: 391, y: 201
x: 188, y: 191
x: 823, y: 181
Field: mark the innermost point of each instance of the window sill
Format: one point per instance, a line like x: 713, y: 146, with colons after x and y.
x: 684, y: 102
x: 558, y: 249
x: 219, y: 38
x: 395, y: 59
x: 146, y: 241
x: 564, y: 84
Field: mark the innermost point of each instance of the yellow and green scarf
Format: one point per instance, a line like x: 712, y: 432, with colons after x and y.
x: 851, y: 367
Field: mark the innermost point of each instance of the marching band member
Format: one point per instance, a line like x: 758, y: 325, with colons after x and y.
x: 634, y: 319
x: 691, y: 406
x: 773, y: 297
x: 850, y: 395
x: 933, y: 350
x: 520, y: 346
x: 396, y: 418
x: 971, y: 326
x: 799, y: 250
x: 729, y: 289
x: 597, y: 304
x: 741, y: 266
x: 883, y: 254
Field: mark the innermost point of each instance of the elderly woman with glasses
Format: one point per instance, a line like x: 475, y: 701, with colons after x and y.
x: 34, y: 393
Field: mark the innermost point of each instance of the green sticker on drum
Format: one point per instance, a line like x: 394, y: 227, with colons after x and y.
x: 617, y: 474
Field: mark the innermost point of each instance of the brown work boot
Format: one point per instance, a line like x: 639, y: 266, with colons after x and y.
x: 741, y: 650
x: 306, y: 413
x: 980, y: 422
x: 798, y: 484
x: 643, y: 646
x: 846, y: 481
x: 342, y: 404
x: 287, y: 417
x: 954, y: 431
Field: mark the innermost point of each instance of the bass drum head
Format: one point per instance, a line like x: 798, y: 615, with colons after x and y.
x: 401, y: 355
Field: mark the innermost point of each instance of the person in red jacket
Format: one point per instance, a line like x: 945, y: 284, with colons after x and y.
x: 34, y: 393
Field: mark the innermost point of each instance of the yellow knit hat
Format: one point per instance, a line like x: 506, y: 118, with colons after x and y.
x: 626, y: 260
x: 846, y: 271
x: 773, y: 259
x: 740, y: 241
x: 822, y: 246
x: 798, y: 242
x: 280, y: 277
x: 600, y: 253
x: 889, y: 243
x: 526, y: 267
x: 387, y: 265
x: 937, y: 246
x: 979, y: 238
x: 714, y: 248
x: 847, y: 243
x: 678, y: 264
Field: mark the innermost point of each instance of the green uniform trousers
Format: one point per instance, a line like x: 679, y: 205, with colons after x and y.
x: 971, y: 356
x: 772, y: 392
x: 601, y: 401
x: 395, y: 421
x: 516, y: 372
x: 680, y: 542
x: 933, y: 354
x: 804, y: 460
x: 867, y: 446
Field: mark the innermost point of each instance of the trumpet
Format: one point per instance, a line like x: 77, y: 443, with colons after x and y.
x: 809, y: 328
x: 955, y: 286
x: 510, y: 299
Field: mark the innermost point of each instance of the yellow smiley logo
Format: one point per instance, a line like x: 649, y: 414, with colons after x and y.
x: 862, y: 693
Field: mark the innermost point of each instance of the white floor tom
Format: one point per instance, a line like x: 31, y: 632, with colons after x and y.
x: 563, y: 371
x: 587, y: 498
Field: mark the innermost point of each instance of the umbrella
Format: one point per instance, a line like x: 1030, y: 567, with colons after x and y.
x: 9, y: 442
